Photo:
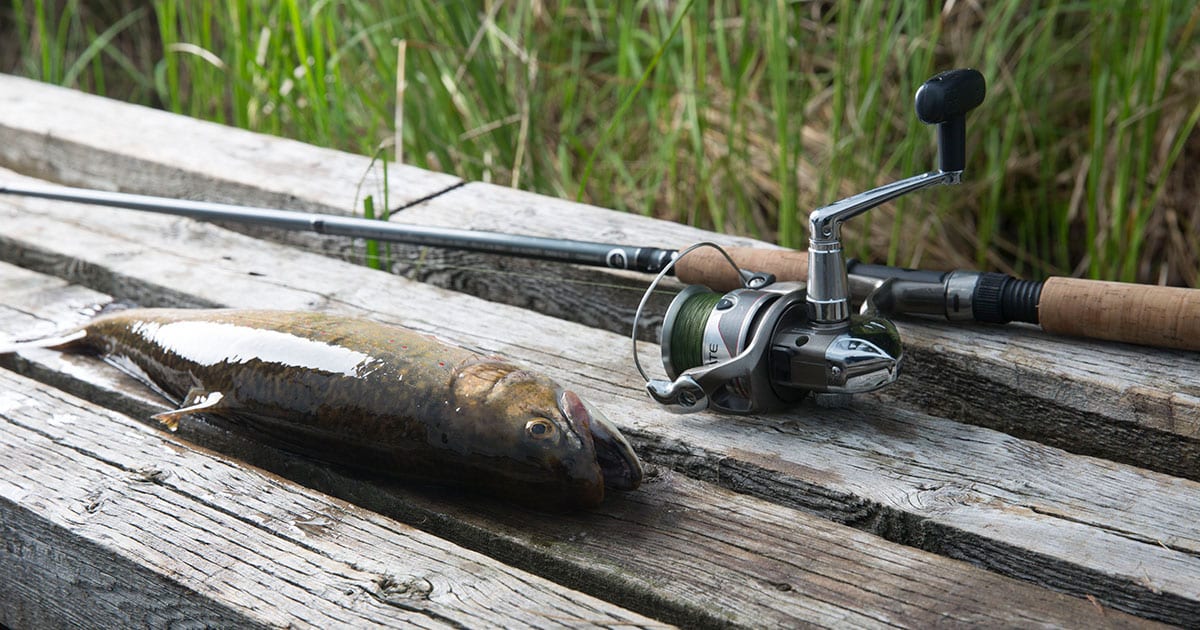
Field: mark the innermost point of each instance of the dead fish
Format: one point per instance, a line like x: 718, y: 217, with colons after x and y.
x: 371, y: 396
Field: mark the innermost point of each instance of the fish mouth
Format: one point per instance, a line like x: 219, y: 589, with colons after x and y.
x: 618, y: 463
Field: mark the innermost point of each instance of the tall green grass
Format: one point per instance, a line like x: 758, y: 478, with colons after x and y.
x: 738, y: 115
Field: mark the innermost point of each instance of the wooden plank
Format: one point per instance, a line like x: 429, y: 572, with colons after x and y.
x: 1077, y: 524
x: 79, y: 139
x: 1126, y: 403
x: 1149, y: 417
x: 697, y: 553
x: 210, y: 542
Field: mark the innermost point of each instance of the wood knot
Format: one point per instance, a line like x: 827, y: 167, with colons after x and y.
x: 94, y: 501
x: 149, y: 474
x: 398, y: 589
x: 941, y: 497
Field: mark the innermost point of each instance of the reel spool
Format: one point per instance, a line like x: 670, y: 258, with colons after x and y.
x: 705, y: 328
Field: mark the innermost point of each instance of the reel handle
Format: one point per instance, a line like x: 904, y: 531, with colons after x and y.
x: 944, y: 100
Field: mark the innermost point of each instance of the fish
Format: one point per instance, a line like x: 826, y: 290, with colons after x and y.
x: 371, y: 396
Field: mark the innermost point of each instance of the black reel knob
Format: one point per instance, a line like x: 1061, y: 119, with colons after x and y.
x: 944, y: 100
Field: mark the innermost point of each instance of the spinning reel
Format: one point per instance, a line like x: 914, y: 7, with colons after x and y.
x: 768, y: 345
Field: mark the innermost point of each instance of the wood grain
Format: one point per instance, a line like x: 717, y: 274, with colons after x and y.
x: 1124, y: 403
x: 78, y: 139
x: 660, y: 549
x: 1083, y: 526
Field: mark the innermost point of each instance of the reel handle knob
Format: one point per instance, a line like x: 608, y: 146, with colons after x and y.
x: 944, y: 100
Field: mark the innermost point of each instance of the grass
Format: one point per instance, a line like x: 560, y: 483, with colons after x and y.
x: 736, y: 115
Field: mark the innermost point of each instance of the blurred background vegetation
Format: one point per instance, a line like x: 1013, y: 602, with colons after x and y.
x: 735, y: 115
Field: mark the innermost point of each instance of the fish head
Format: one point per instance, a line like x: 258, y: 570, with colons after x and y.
x: 552, y: 447
x: 618, y: 463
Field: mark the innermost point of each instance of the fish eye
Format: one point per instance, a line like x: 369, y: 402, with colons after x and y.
x: 540, y: 429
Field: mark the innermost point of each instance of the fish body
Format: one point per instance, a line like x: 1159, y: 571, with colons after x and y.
x: 373, y: 396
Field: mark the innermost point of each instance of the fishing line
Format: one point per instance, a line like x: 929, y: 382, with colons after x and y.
x: 529, y: 276
x: 687, y: 335
x: 747, y: 279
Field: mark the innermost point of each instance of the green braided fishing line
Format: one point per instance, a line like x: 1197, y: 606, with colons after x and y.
x: 687, y: 332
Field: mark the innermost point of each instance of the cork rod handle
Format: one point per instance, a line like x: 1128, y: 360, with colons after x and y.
x: 1167, y: 317
x: 708, y: 267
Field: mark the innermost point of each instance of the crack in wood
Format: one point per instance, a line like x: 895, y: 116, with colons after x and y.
x: 1134, y: 536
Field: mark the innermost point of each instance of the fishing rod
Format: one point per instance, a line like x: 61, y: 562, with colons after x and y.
x: 1141, y: 314
x: 644, y: 259
x: 701, y: 267
x: 760, y: 328
x: 1116, y: 311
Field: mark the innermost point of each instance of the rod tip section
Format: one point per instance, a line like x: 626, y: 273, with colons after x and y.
x: 950, y: 95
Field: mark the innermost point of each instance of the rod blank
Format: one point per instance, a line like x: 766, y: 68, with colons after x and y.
x: 646, y: 259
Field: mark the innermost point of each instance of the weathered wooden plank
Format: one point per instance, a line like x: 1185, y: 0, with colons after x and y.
x: 211, y: 542
x: 1081, y: 525
x: 1149, y: 417
x: 54, y: 578
x: 1121, y: 402
x: 699, y: 553
x: 79, y: 139
x: 76, y: 138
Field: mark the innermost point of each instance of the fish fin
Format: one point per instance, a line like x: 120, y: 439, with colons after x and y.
x: 198, y: 400
x: 58, y: 342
